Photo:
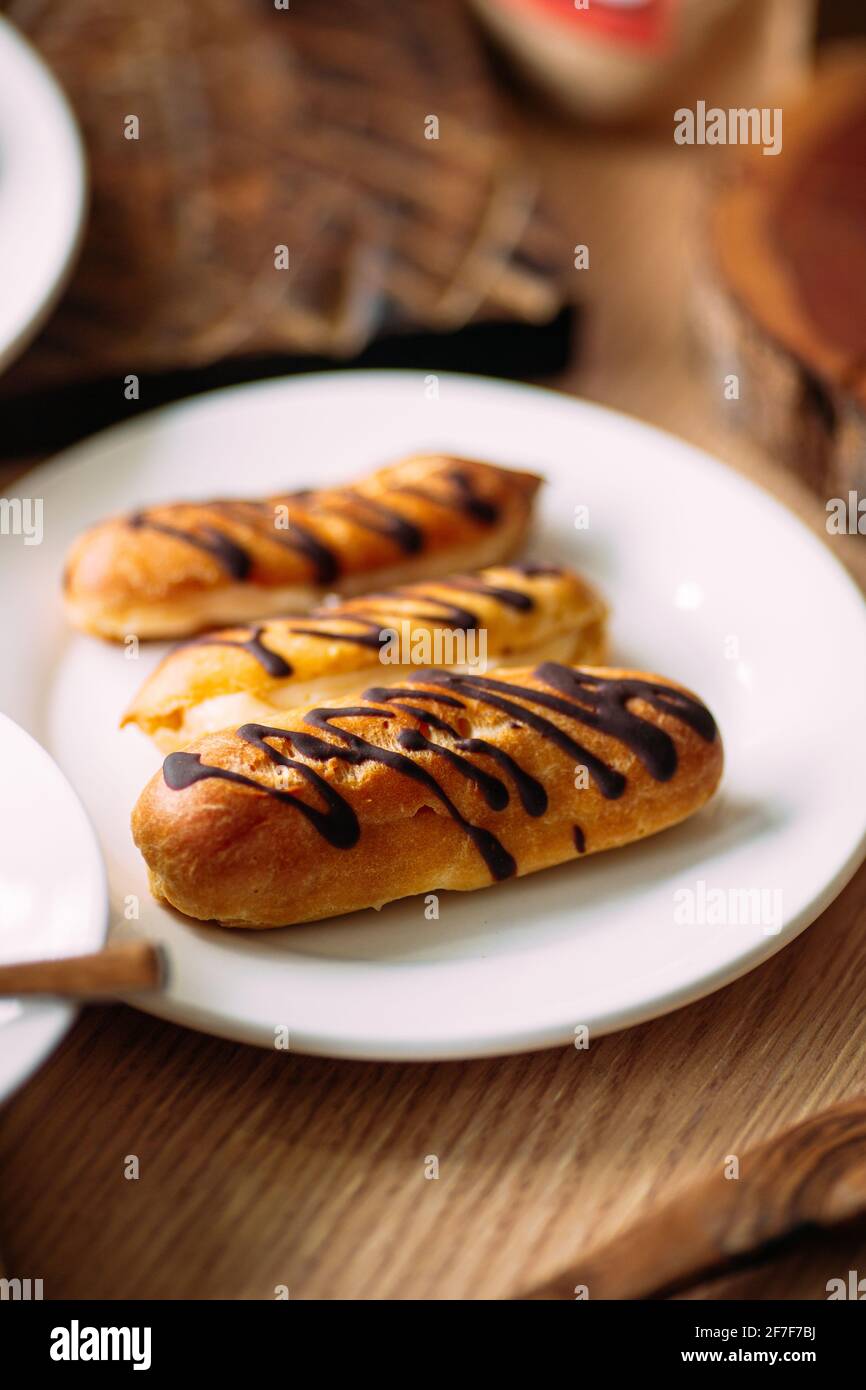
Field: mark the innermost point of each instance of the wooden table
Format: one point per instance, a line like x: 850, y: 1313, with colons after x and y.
x: 259, y: 1170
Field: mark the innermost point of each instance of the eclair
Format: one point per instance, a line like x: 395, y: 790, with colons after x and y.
x: 173, y: 570
x: 486, y: 620
x: 446, y: 781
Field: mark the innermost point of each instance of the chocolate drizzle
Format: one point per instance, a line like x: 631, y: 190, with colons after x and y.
x: 449, y: 615
x: 598, y: 702
x: 368, y: 513
x: 479, y: 508
x: 231, y: 557
x: 381, y: 519
x: 607, y: 699
x: 495, y: 856
x: 610, y: 783
x: 370, y: 637
x: 274, y: 664
x: 494, y: 791
x: 532, y: 795
x: 463, y: 497
x: 338, y: 825
x: 534, y: 570
x: 509, y: 598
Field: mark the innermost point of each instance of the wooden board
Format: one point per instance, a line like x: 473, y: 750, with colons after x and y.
x: 783, y: 304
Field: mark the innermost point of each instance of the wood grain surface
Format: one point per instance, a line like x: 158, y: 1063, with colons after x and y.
x: 810, y: 1178
x: 259, y: 1169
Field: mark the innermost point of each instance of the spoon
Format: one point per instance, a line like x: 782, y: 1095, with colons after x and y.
x: 811, y: 1175
x: 130, y: 965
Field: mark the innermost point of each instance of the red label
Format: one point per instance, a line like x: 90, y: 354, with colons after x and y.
x: 651, y: 24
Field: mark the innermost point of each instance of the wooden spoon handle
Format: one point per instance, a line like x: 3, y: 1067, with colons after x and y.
x: 811, y: 1175
x: 130, y: 965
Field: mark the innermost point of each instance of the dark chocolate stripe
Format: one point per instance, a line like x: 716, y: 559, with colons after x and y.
x: 338, y: 825
x: 371, y: 638
x: 509, y: 598
x: 450, y: 614
x: 532, y: 795
x: 259, y: 517
x: 369, y: 513
x: 383, y: 522
x: 274, y: 664
x: 389, y: 692
x: 495, y: 856
x: 457, y: 616
x: 463, y: 497
x: 233, y: 558
x: 596, y: 701
x: 535, y: 571
x: 608, y: 699
x: 495, y: 793
x: 424, y: 716
x: 610, y: 783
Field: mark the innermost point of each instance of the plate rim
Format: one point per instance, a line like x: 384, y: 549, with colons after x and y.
x: 63, y: 1013
x: 481, y: 1043
x: 51, y: 286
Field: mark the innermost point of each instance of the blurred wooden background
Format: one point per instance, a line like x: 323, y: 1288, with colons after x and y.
x: 263, y: 1169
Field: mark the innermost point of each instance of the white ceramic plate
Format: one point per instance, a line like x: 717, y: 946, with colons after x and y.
x: 53, y: 893
x: 42, y: 191
x: 711, y: 582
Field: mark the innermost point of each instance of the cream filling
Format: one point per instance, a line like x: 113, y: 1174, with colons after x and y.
x: 230, y: 711
x: 231, y: 605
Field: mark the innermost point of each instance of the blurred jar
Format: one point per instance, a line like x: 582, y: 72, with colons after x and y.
x: 615, y: 60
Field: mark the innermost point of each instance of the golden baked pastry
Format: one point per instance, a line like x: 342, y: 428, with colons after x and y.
x: 448, y: 781
x: 168, y: 571
x: 506, y: 616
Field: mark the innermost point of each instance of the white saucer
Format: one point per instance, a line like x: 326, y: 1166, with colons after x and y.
x: 53, y: 893
x: 42, y: 191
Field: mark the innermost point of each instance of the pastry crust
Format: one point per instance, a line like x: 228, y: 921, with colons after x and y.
x: 449, y: 782
x: 172, y: 570
x: 504, y: 616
